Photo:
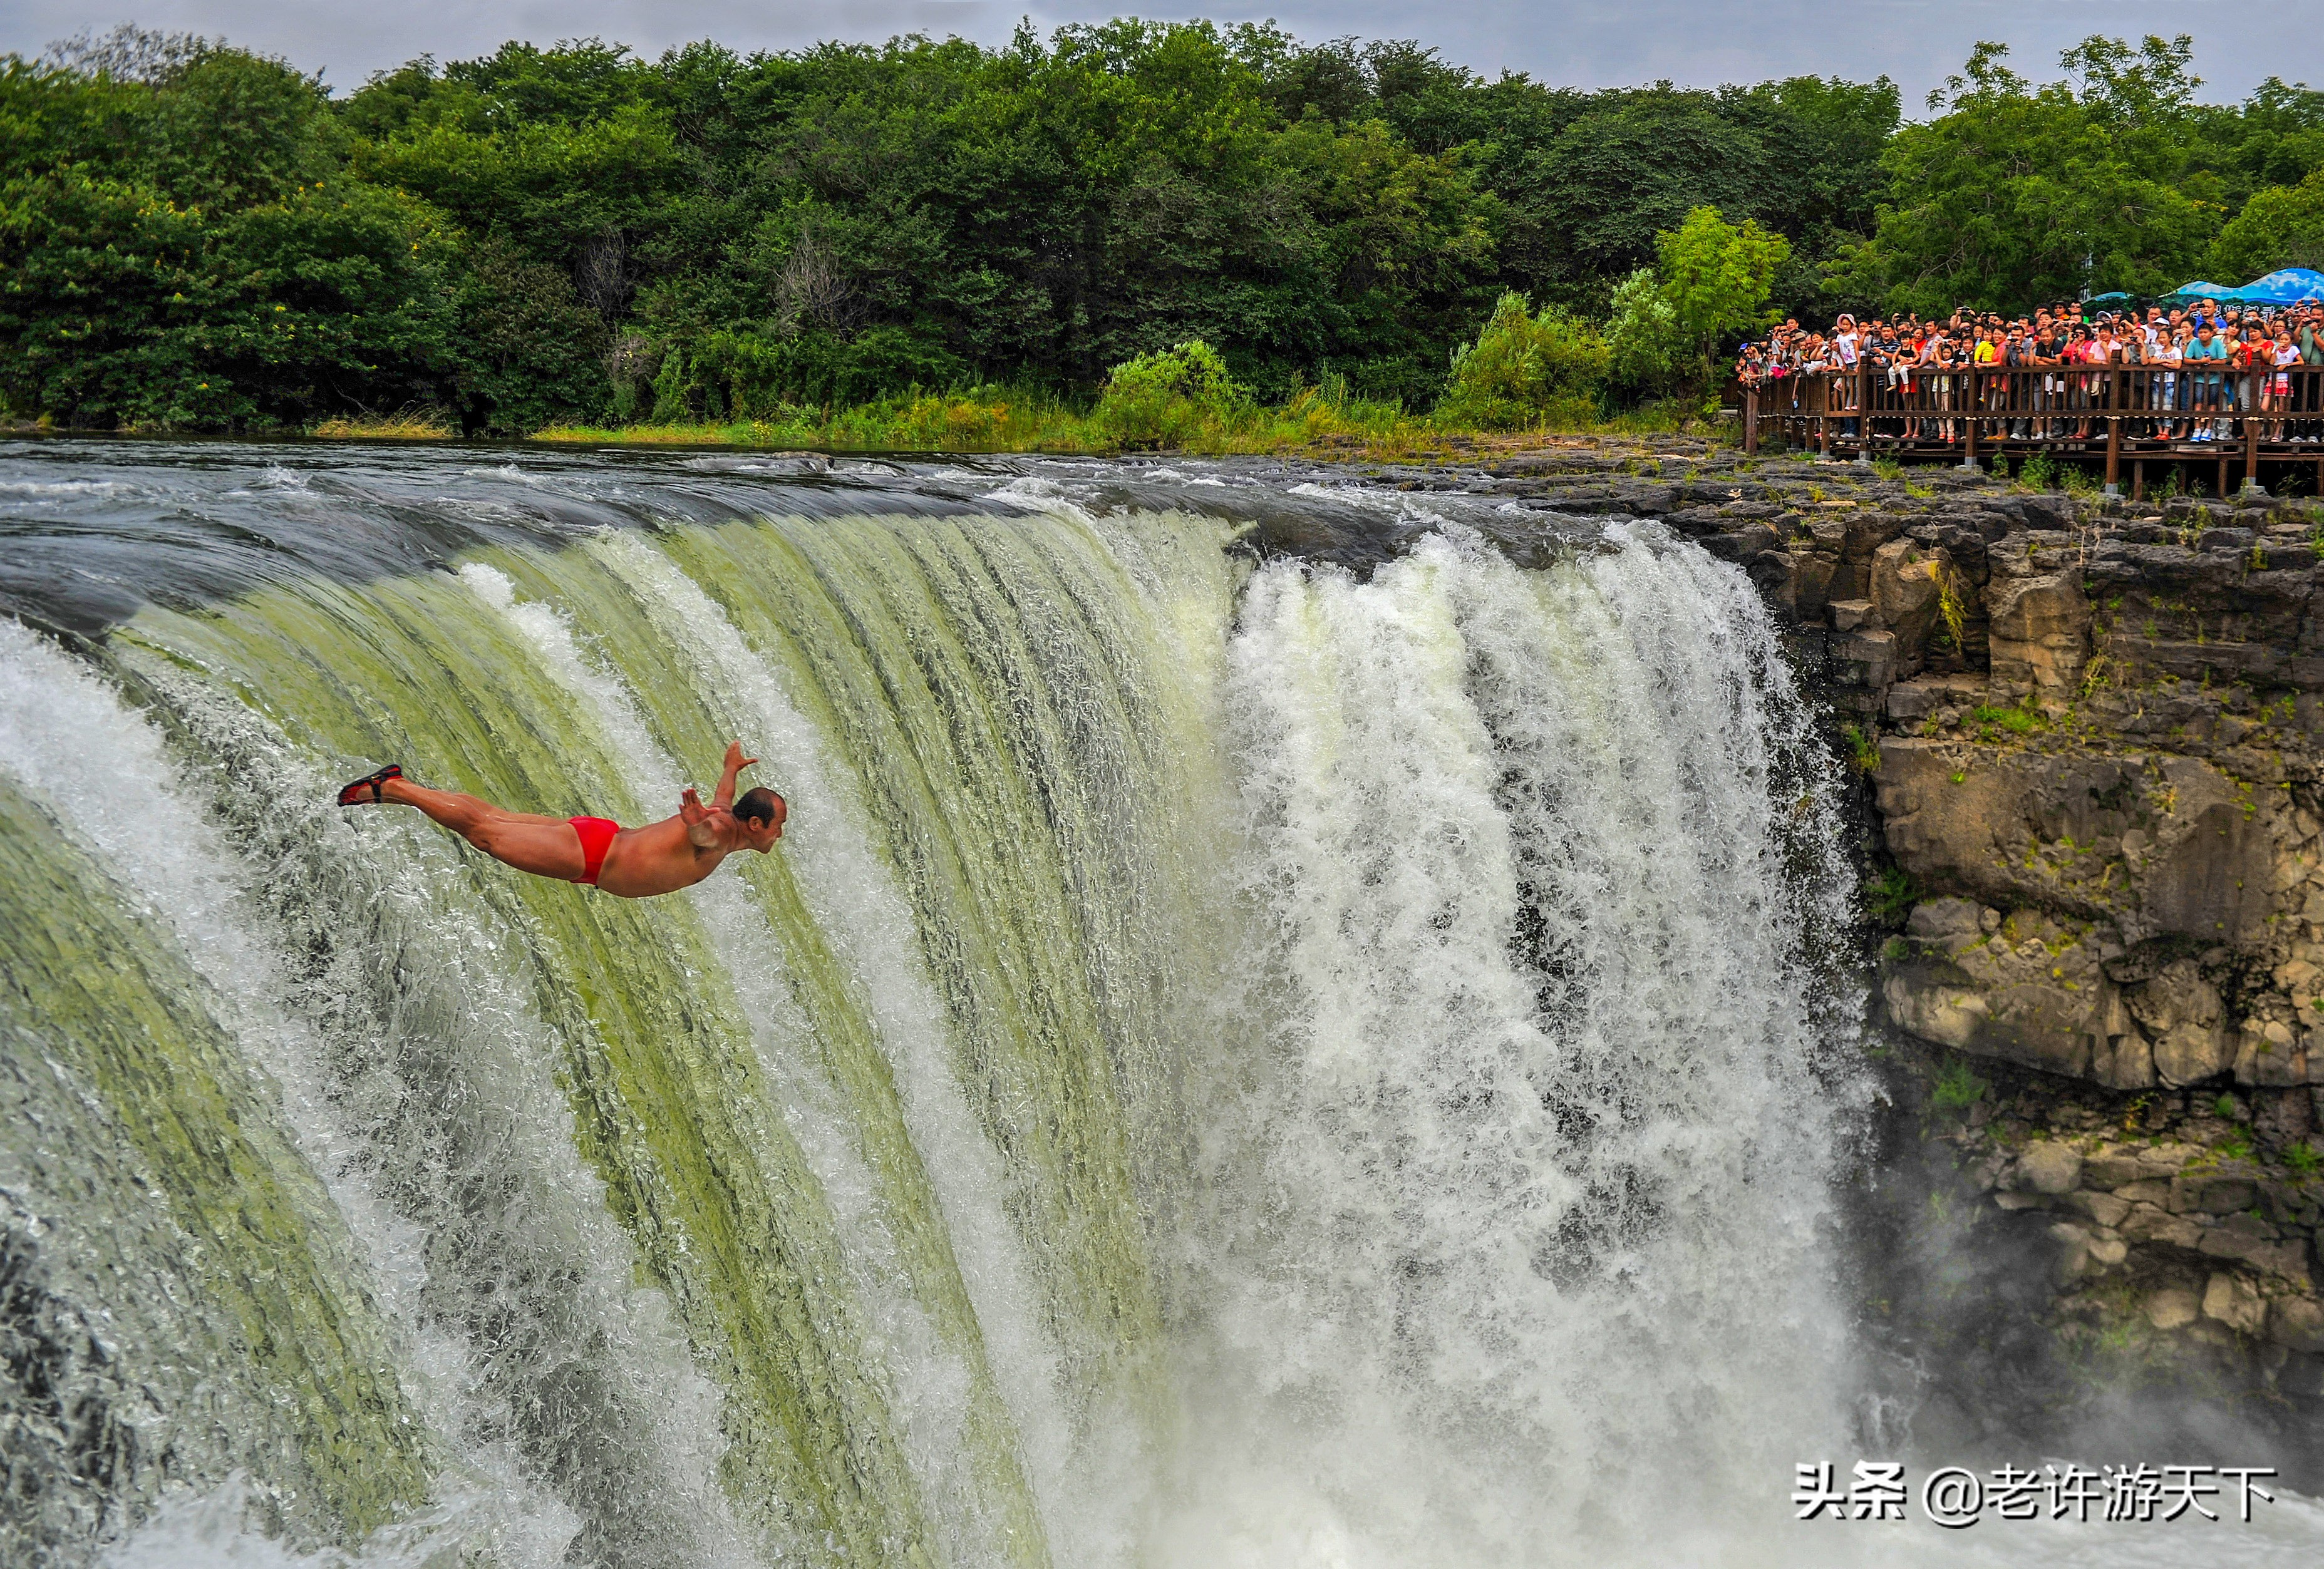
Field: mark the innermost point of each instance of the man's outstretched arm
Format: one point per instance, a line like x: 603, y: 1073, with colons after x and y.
x: 735, y: 762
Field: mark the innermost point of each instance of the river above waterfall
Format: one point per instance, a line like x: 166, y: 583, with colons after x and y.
x: 92, y: 529
x: 1296, y: 1023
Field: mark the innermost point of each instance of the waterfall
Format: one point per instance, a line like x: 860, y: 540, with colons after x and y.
x: 1232, y: 1062
x: 1527, y: 1180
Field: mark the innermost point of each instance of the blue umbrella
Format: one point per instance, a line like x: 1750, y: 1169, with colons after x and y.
x: 2287, y: 287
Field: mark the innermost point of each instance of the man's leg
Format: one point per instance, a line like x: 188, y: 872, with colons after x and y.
x: 547, y: 847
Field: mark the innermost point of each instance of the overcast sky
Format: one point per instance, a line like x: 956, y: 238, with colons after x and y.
x: 1916, y: 41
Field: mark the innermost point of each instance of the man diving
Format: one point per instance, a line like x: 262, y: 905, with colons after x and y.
x: 634, y: 863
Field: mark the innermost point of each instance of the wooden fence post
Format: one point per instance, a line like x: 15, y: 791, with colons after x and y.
x: 2114, y: 432
x: 1750, y: 420
x: 2251, y: 434
x: 1968, y: 420
x: 1863, y: 409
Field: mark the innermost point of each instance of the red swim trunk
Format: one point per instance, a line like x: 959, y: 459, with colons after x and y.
x: 597, y: 838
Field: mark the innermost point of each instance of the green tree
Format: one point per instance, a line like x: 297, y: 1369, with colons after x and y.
x: 1717, y: 277
x: 2015, y: 193
x: 2274, y: 137
x: 530, y: 352
x: 2280, y: 226
x: 124, y: 308
x: 231, y: 130
x: 194, y: 236
x: 177, y: 249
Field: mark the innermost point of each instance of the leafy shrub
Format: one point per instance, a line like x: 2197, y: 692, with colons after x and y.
x: 1949, y: 608
x: 672, y: 402
x: 1168, y: 396
x: 1525, y: 369
x: 2021, y: 720
x: 526, y: 350
x: 1889, y: 897
x: 761, y: 375
x: 1957, y: 1090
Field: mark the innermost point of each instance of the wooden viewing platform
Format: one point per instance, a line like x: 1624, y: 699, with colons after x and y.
x: 1968, y: 414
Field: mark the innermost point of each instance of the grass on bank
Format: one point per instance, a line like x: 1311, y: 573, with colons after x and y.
x: 1518, y: 384
x: 982, y: 423
x: 409, y: 424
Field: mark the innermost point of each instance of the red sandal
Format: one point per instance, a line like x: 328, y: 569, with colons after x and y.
x: 352, y: 795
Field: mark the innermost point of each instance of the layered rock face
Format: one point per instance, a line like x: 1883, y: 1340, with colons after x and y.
x: 2201, y: 1206
x: 2093, y: 735
x: 2098, y: 752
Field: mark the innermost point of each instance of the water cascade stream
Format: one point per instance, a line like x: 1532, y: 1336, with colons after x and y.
x: 1238, y: 1061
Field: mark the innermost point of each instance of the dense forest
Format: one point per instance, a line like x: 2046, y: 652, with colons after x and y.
x: 195, y: 237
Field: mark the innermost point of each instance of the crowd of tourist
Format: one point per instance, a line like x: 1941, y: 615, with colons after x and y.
x: 2203, y: 369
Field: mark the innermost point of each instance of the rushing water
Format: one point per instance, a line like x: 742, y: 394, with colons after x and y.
x: 1278, y: 1035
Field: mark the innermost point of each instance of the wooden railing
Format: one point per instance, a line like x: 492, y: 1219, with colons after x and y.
x: 2139, y: 413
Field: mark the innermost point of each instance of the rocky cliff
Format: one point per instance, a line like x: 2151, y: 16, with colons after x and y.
x: 2091, y: 738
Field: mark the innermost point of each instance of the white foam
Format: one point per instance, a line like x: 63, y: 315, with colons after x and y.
x: 1399, y: 505
x: 1030, y: 491
x: 43, y: 490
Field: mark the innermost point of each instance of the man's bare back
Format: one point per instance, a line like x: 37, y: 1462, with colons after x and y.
x: 635, y: 863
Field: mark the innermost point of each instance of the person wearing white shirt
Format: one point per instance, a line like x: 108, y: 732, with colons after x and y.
x: 1845, y: 354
